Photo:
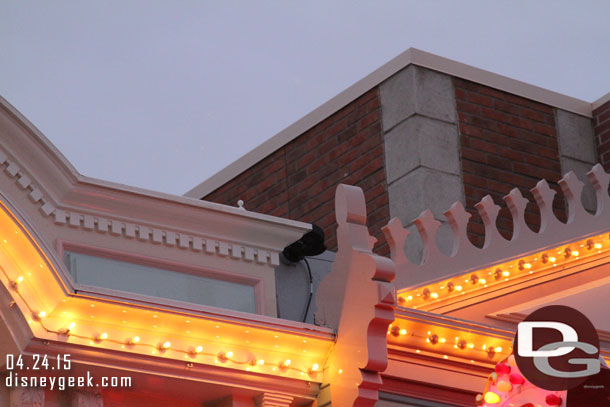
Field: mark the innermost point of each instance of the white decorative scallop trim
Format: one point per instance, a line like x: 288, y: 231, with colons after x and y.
x: 465, y: 256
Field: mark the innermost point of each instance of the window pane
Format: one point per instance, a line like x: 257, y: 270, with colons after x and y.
x: 156, y: 282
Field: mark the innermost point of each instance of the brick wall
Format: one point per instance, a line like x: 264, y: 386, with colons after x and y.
x: 601, y: 126
x: 299, y: 180
x: 506, y: 142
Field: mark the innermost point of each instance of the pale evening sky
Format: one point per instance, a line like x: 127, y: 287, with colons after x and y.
x: 163, y: 94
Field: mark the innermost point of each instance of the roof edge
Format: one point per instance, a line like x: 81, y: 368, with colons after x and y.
x: 55, y: 156
x: 411, y: 56
x: 602, y: 100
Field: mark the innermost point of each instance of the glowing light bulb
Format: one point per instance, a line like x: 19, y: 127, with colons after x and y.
x: 499, y: 349
x: 410, y: 298
x: 133, y: 341
x: 199, y: 349
x: 15, y: 283
x: 261, y: 362
x: 434, y: 295
x: 165, y: 345
x: 575, y: 253
x: 597, y: 246
x: 471, y: 345
x: 403, y: 331
x: 458, y: 288
x: 442, y: 340
x: 482, y: 281
x: 286, y: 363
x: 315, y: 367
x: 102, y: 336
x: 506, y: 273
x: 491, y: 397
x: 553, y: 400
x: 41, y: 315
x: 527, y: 266
x: 504, y: 386
x: 229, y: 354
x: 66, y: 331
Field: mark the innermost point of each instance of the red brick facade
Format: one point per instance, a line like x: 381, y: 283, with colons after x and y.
x: 298, y: 181
x: 601, y: 126
x: 506, y: 142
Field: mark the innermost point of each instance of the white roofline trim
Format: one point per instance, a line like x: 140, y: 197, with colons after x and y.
x: 410, y: 56
x: 72, y: 173
x: 602, y: 100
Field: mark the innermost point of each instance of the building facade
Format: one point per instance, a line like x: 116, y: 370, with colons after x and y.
x: 167, y: 300
x: 423, y: 127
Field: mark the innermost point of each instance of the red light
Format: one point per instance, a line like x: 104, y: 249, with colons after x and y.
x: 553, y: 400
x: 516, y: 379
x: 502, y: 368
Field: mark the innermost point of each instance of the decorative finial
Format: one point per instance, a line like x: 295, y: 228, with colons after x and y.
x: 240, y: 205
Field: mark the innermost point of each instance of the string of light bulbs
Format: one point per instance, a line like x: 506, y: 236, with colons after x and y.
x: 434, y: 339
x: 161, y: 347
x: 509, y: 271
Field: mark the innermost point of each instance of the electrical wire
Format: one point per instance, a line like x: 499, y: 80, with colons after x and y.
x: 310, y: 290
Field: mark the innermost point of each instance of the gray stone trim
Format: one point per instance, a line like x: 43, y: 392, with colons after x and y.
x: 422, y: 149
x: 577, y: 149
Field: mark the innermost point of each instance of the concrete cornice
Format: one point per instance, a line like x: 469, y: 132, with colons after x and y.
x: 410, y: 56
x: 600, y: 101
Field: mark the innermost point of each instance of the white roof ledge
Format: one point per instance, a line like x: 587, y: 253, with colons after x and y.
x: 410, y: 56
x: 36, y: 164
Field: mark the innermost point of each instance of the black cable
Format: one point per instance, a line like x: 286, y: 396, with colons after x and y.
x: 310, y: 289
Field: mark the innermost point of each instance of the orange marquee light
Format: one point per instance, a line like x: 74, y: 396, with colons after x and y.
x: 444, y: 341
x: 145, y: 330
x: 430, y: 294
